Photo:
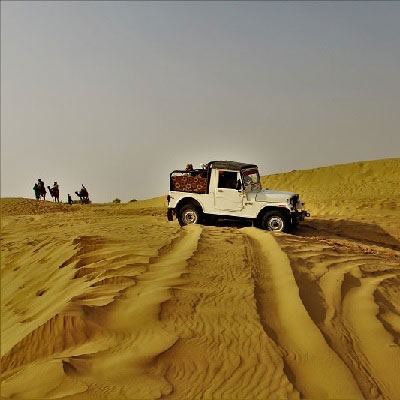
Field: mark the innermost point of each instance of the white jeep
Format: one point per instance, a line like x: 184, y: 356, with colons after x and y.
x: 231, y: 190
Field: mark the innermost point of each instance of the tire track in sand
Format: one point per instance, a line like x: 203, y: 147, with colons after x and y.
x: 329, y: 274
x: 319, y: 372
x: 370, y: 337
x: 223, y: 350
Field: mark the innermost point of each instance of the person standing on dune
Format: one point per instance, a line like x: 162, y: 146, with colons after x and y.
x: 37, y: 191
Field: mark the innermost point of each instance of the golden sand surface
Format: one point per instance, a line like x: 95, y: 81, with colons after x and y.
x: 113, y: 301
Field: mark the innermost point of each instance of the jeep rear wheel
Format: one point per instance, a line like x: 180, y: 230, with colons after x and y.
x: 189, y: 214
x: 274, y: 221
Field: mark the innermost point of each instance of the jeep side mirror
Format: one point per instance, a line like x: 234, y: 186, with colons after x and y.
x: 238, y: 184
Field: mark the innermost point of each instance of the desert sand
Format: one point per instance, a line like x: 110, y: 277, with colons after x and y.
x: 114, y: 302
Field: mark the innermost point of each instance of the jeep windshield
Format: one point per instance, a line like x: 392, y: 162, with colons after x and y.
x: 251, y: 179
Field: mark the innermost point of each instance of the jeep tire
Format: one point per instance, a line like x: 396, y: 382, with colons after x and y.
x: 189, y: 214
x: 274, y: 221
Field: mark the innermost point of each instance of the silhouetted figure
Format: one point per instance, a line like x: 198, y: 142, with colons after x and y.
x: 37, y: 191
x: 42, y: 189
x: 83, y: 195
x: 69, y: 199
x: 55, y: 192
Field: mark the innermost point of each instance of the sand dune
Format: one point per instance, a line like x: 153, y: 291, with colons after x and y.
x: 366, y: 191
x: 113, y: 302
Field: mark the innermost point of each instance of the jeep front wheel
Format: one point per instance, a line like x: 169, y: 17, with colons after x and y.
x: 274, y: 221
x: 189, y: 214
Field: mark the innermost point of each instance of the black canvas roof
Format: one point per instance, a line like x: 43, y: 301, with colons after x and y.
x: 233, y: 165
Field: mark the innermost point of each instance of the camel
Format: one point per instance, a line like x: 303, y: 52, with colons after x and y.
x: 83, y: 195
x: 54, y: 193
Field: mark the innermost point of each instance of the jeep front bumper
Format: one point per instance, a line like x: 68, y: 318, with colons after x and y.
x: 298, y: 216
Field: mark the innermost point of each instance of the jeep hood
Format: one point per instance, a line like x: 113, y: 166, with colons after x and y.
x: 271, y: 196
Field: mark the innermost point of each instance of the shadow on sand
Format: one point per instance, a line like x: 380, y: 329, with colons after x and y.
x: 369, y: 234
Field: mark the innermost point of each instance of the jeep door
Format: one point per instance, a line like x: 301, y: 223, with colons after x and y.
x: 226, y: 196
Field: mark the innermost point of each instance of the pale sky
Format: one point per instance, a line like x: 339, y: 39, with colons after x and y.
x: 115, y: 95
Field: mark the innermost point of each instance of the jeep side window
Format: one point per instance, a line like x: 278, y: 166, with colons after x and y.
x: 227, y: 180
